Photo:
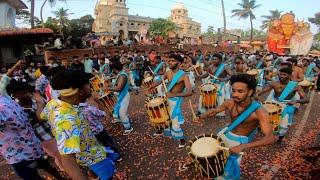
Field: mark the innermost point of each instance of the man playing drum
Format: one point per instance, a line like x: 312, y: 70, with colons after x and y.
x: 310, y: 70
x: 246, y: 115
x: 179, y: 86
x: 121, y: 87
x: 219, y: 75
x: 285, y: 92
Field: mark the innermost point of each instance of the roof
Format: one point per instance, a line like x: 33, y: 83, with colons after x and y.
x: 179, y: 5
x: 21, y: 32
x: 18, y: 4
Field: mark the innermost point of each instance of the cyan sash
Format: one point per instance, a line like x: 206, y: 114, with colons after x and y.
x: 219, y: 70
x: 122, y: 93
x: 176, y: 111
x: 157, y: 68
x: 309, y: 70
x: 105, y: 69
x: 175, y: 79
x: 287, y: 90
x: 200, y: 58
x: 259, y: 65
x: 243, y: 116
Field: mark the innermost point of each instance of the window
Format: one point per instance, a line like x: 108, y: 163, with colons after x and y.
x: 144, y: 24
x: 121, y: 24
x: 138, y: 24
x: 179, y: 11
x: 132, y: 24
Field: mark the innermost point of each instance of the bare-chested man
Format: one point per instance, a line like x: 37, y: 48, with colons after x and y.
x: 240, y: 66
x: 310, y: 70
x: 179, y: 86
x: 219, y: 74
x: 187, y: 67
x: 247, y: 115
x: 297, y: 73
x: 287, y: 93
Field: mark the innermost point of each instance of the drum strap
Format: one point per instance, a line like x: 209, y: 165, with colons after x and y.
x: 219, y: 70
x: 158, y: 68
x: 243, y: 116
x: 259, y: 64
x: 287, y: 90
x: 309, y: 70
x: 175, y: 79
x: 105, y: 69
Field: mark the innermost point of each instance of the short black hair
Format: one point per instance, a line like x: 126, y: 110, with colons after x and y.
x: 44, y: 70
x: 249, y: 80
x: 16, y: 86
x: 70, y: 79
x: 286, y: 70
x: 116, y: 65
x: 176, y: 57
x: 217, y: 56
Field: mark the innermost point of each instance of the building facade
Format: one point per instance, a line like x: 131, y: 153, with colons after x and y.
x: 112, y: 19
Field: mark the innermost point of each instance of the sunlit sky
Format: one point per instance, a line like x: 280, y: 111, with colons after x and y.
x: 207, y: 12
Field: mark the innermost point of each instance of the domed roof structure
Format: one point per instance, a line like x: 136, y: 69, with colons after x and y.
x: 179, y: 5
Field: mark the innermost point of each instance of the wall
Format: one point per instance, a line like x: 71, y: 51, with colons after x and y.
x: 6, y: 21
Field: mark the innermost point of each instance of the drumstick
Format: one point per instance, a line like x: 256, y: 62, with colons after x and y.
x: 192, y: 111
x: 228, y: 149
x: 164, y: 85
x: 151, y: 70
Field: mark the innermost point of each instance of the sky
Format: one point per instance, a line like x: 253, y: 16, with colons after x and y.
x: 207, y: 12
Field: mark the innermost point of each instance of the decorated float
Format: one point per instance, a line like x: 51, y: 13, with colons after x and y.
x: 285, y: 35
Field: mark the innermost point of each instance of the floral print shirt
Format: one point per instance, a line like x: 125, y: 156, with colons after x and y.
x: 72, y: 132
x: 18, y: 141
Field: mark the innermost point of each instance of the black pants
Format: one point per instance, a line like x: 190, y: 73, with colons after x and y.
x: 28, y: 170
x: 106, y: 140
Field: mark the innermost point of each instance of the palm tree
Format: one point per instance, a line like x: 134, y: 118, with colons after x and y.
x: 224, y: 18
x: 62, y: 17
x: 274, y: 14
x: 246, y: 12
x: 52, y: 3
x: 32, y: 13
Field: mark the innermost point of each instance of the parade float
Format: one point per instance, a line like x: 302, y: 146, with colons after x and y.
x: 285, y: 35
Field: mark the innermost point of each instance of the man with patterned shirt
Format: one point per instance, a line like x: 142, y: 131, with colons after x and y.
x: 76, y: 142
x: 18, y: 143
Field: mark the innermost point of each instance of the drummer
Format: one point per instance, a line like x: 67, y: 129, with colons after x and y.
x: 287, y: 93
x: 179, y: 87
x: 310, y: 70
x: 219, y: 75
x: 260, y: 65
x: 240, y: 65
x: 297, y: 72
x: 187, y: 66
x: 247, y: 115
x: 121, y: 87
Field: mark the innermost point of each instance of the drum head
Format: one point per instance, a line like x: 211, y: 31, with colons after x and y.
x: 305, y: 83
x: 155, y: 102
x: 208, y: 87
x: 205, y: 147
x: 271, y: 107
x: 253, y: 72
x: 147, y: 79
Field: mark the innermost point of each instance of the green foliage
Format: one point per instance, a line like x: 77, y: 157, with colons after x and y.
x: 75, y: 27
x: 246, y: 11
x: 210, y: 33
x: 274, y: 14
x: 162, y: 27
x: 315, y: 20
x: 24, y: 16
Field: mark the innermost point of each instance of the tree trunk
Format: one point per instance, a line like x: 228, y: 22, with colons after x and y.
x: 224, y: 18
x: 32, y: 13
x: 41, y: 12
x: 251, y: 31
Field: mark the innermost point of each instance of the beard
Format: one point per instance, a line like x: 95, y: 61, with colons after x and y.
x: 174, y: 67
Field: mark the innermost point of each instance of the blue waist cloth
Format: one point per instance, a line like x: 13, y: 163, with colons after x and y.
x: 290, y: 111
x: 106, y: 168
x: 176, y: 111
